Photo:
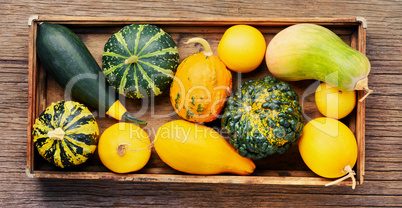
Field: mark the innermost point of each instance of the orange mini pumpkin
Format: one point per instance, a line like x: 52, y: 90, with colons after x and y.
x: 201, y: 85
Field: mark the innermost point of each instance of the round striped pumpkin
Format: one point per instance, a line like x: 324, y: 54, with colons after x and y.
x: 140, y: 60
x: 66, y: 133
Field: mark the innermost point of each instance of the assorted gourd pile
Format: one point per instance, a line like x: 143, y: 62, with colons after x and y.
x: 262, y: 117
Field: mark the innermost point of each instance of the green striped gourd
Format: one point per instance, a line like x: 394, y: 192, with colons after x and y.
x: 66, y: 133
x: 140, y: 60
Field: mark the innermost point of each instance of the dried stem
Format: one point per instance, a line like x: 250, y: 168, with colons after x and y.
x: 122, y: 148
x: 368, y: 91
x: 207, y: 48
x: 350, y: 174
x: 363, y: 85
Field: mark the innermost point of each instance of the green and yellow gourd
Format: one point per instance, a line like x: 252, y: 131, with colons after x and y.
x: 310, y: 51
x: 66, y: 134
x: 140, y: 60
x: 263, y: 117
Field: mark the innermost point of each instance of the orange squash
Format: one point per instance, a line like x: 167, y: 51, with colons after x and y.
x: 201, y: 85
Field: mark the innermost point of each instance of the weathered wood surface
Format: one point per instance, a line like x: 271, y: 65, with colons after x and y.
x: 383, y: 169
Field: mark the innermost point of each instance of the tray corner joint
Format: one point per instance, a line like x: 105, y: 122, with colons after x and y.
x: 363, y: 21
x: 29, y: 174
x: 32, y: 18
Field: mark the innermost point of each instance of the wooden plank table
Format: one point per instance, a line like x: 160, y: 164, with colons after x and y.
x: 383, y: 170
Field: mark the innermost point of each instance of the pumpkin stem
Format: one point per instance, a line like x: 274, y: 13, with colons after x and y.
x: 131, y: 59
x: 350, y: 174
x: 207, y: 48
x: 57, y: 134
x: 363, y: 85
x: 131, y: 119
x: 118, y: 111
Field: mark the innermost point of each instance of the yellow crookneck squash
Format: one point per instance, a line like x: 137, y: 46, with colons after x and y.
x: 197, y: 149
x: 201, y: 85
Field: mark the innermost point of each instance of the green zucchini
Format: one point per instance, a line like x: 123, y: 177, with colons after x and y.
x: 69, y: 62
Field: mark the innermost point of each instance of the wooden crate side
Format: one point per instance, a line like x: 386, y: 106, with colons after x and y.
x: 353, y: 117
x: 32, y: 83
x: 207, y: 21
x: 361, y: 106
x: 36, y: 93
x: 173, y: 178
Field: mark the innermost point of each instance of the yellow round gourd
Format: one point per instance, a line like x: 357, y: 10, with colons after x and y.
x: 331, y: 102
x: 242, y: 48
x: 327, y: 146
x: 124, y: 147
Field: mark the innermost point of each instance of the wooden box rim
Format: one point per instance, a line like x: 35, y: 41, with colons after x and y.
x: 359, y: 22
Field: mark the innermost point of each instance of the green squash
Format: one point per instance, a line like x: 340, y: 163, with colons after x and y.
x: 309, y: 51
x: 66, y: 134
x: 263, y: 117
x: 140, y: 60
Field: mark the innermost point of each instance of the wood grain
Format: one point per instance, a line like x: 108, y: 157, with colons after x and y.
x: 383, y: 175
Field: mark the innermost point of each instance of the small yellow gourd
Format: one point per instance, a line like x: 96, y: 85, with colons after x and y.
x: 201, y: 85
x: 124, y: 147
x: 197, y: 149
x: 333, y: 103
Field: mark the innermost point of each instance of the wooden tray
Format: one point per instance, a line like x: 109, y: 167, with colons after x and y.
x: 278, y: 169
